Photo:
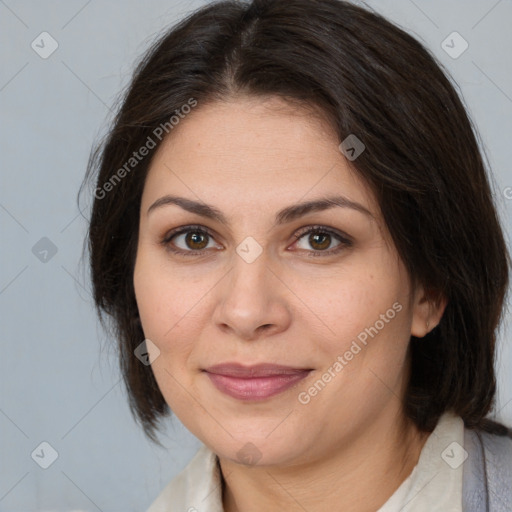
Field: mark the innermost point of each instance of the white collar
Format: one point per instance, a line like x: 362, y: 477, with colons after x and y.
x: 435, y: 483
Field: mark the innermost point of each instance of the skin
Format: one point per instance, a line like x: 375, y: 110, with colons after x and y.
x: 351, y: 444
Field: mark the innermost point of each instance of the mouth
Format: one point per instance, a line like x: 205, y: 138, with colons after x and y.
x: 252, y: 383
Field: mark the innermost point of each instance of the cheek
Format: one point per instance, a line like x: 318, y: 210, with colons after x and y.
x: 355, y: 301
x: 166, y: 303
x: 151, y: 296
x: 175, y: 308
x: 168, y: 309
x: 154, y: 286
x: 364, y: 332
x: 363, y: 348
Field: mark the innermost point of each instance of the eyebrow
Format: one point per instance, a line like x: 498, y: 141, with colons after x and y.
x: 285, y: 215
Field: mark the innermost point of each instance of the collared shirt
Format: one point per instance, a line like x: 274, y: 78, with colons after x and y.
x: 435, y: 483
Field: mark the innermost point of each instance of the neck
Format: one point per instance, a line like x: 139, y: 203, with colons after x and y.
x: 359, y: 476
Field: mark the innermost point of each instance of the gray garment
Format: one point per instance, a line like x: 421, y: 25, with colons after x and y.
x: 487, y: 473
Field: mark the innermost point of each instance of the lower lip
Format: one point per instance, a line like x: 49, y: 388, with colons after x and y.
x: 255, y: 388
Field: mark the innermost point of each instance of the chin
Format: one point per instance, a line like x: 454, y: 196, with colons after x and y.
x: 255, y: 449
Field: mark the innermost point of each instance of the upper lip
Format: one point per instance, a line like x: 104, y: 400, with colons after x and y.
x: 257, y: 370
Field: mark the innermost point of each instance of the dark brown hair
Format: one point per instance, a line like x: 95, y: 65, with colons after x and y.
x: 364, y: 76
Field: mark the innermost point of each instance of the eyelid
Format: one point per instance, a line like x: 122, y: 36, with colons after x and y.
x: 185, y: 229
x: 323, y: 229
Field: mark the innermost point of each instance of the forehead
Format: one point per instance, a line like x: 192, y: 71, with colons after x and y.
x: 253, y: 150
x: 264, y: 128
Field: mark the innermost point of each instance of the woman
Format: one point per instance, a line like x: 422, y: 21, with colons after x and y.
x: 295, y: 238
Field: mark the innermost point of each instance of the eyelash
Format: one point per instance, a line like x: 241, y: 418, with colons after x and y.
x: 345, y: 242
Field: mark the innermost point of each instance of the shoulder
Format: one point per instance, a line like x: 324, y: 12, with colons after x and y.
x: 495, y: 445
x: 488, y: 471
x: 197, y: 487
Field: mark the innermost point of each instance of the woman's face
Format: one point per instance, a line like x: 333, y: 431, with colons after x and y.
x: 310, y: 329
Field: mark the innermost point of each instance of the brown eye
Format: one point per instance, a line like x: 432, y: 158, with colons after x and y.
x: 189, y: 241
x: 320, y: 241
x: 196, y: 241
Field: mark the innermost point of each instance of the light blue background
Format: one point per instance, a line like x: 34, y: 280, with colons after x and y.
x: 59, y: 374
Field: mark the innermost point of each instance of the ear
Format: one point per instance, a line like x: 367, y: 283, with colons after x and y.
x: 428, y: 309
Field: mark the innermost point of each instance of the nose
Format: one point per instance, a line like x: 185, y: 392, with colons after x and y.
x: 251, y: 302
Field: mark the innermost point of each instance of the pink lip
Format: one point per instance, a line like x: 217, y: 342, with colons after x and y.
x: 256, y: 382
